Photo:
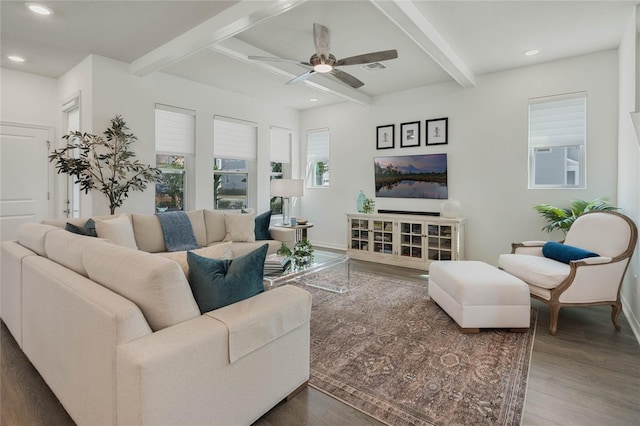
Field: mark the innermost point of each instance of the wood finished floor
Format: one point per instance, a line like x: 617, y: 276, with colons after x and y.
x: 588, y: 374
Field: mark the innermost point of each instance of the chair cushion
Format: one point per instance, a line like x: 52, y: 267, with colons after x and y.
x: 565, y: 253
x: 535, y: 270
x: 216, y: 283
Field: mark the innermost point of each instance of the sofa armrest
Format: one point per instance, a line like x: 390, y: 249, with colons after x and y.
x: 182, y: 374
x: 595, y: 260
x: 285, y: 235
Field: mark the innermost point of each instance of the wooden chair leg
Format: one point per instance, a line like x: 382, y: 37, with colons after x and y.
x: 554, y: 310
x: 615, y: 311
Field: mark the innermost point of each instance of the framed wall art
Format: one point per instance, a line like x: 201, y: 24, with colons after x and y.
x: 385, y: 138
x: 437, y: 131
x: 410, y: 134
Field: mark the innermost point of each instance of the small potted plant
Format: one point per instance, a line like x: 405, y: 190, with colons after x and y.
x: 368, y: 205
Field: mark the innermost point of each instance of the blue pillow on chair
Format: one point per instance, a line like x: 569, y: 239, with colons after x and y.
x: 564, y: 253
x: 216, y: 283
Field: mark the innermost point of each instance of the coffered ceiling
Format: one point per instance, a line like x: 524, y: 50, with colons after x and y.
x: 210, y: 41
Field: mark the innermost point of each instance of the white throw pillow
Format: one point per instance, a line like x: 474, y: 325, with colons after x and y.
x: 218, y: 251
x: 117, y: 230
x: 240, y: 227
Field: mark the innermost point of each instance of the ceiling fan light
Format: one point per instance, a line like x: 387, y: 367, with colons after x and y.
x: 322, y: 68
x: 38, y: 8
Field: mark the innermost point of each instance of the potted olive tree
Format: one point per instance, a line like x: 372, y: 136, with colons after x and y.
x: 105, y: 164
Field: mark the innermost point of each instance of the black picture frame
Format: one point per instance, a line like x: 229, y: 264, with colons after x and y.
x: 437, y: 131
x: 410, y: 134
x: 385, y: 136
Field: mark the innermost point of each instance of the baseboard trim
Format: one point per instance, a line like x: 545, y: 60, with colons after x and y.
x: 631, y: 318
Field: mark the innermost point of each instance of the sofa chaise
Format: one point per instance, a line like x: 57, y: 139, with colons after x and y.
x: 116, y: 333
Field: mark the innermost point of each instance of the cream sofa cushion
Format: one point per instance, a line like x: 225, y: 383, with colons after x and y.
x: 240, y: 227
x: 66, y: 248
x: 117, y: 230
x: 32, y: 236
x: 536, y: 270
x: 149, y: 236
x: 214, y: 222
x: 157, y: 285
x: 217, y: 251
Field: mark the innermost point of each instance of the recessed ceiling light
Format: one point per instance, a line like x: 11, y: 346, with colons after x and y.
x: 15, y: 58
x: 313, y: 100
x: 40, y: 9
x: 531, y: 52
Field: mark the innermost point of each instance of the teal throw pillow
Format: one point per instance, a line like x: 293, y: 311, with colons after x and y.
x: 88, y: 229
x: 262, y: 226
x: 564, y: 253
x: 216, y: 282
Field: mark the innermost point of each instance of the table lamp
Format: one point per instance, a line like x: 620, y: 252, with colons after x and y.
x: 286, y: 188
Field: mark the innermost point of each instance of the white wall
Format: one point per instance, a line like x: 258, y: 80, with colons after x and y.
x: 629, y: 162
x: 487, y: 150
x: 28, y: 98
x: 116, y: 91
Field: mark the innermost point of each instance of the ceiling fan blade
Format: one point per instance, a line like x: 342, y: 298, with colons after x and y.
x: 347, y: 78
x: 322, y: 40
x: 267, y: 58
x: 368, y: 58
x: 301, y: 77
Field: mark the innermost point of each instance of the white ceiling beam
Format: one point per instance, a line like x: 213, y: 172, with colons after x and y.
x: 240, y: 51
x: 231, y: 21
x: 409, y: 19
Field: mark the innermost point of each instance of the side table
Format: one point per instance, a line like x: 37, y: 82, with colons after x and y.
x: 301, y: 230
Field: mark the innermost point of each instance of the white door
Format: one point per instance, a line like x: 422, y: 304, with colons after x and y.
x: 24, y: 177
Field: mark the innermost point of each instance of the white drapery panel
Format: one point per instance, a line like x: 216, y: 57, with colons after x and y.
x: 558, y: 120
x: 175, y: 130
x: 318, y: 145
x: 235, y: 139
x: 280, y: 145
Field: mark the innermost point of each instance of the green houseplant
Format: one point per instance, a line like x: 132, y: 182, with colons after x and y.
x: 105, y: 164
x: 562, y: 218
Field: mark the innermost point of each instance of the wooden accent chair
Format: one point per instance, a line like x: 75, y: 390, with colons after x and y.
x: 589, y: 281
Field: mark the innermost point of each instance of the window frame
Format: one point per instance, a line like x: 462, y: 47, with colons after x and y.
x: 555, y: 143
x: 314, y: 167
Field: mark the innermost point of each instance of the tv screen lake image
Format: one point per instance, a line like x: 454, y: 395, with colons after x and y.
x: 411, y: 176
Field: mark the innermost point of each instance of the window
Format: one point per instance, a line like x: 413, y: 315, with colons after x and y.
x: 234, y: 151
x: 175, y: 145
x: 280, y: 156
x: 557, y: 141
x: 318, y: 158
x: 72, y: 110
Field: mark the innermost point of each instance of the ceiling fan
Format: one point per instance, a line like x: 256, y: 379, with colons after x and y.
x: 324, y: 62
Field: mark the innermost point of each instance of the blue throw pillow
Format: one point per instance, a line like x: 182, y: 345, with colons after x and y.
x: 216, y: 283
x: 262, y: 226
x: 88, y: 229
x: 564, y: 253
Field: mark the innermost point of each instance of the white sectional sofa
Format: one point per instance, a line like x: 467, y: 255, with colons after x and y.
x: 116, y: 333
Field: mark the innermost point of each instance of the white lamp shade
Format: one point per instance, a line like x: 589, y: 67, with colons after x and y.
x: 287, y: 188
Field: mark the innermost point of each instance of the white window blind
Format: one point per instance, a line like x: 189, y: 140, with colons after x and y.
x: 558, y: 120
x: 234, y: 138
x: 280, y: 145
x: 175, y: 130
x: 318, y: 145
x: 73, y: 120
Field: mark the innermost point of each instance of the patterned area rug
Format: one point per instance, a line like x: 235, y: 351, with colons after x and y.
x: 386, y: 349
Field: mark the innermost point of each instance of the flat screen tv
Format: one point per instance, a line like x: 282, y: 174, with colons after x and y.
x: 412, y: 176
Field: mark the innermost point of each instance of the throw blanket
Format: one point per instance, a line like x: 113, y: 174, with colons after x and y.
x: 177, y: 231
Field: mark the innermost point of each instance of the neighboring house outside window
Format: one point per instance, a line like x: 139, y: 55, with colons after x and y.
x: 557, y: 141
x: 318, y: 158
x: 175, y: 147
x: 235, y: 153
x: 280, y: 156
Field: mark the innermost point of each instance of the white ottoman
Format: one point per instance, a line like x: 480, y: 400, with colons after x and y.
x: 477, y: 295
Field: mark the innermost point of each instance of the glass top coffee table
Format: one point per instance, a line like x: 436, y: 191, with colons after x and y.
x: 302, y: 275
